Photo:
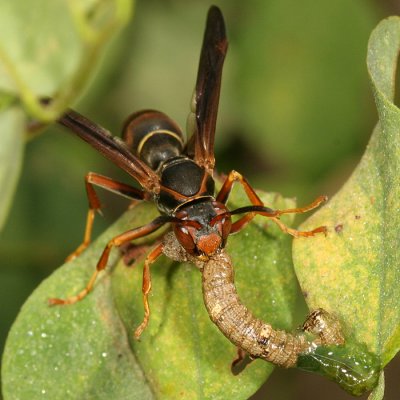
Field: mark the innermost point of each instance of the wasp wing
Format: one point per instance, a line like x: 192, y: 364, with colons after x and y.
x: 207, y: 90
x: 112, y: 148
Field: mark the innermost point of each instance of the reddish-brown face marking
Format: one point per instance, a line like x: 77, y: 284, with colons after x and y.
x: 209, y: 244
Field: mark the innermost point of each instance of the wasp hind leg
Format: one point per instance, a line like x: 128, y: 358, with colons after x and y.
x: 92, y: 179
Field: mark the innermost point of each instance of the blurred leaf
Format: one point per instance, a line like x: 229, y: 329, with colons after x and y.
x: 51, y: 48
x: 11, y: 149
x: 172, y: 34
x: 48, y: 48
x: 84, y: 351
x: 295, y: 67
x: 355, y: 271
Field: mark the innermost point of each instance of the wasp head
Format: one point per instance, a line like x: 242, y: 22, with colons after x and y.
x: 203, y: 227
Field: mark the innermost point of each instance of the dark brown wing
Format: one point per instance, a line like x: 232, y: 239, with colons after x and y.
x: 207, y: 89
x: 112, y: 148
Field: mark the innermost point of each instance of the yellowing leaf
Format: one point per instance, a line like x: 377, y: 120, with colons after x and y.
x: 355, y: 271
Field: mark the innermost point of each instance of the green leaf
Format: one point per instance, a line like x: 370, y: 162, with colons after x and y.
x: 355, y: 271
x: 87, y: 350
x: 50, y: 48
x: 11, y: 150
x: 76, y: 352
x: 379, y: 391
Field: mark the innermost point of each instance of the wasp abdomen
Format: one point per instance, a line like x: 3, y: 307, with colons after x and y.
x: 238, y: 324
x: 153, y: 136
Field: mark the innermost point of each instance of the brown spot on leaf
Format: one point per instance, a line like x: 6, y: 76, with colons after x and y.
x: 338, y: 228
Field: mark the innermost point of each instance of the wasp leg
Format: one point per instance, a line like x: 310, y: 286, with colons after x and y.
x: 146, y: 287
x: 226, y: 188
x: 102, y: 263
x: 111, y: 185
x: 225, y: 191
x: 318, y: 201
x: 295, y: 233
x: 274, y: 215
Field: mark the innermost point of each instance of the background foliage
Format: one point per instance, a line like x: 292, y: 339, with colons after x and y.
x: 295, y: 101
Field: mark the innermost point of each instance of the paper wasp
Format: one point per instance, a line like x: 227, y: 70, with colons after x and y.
x: 176, y: 176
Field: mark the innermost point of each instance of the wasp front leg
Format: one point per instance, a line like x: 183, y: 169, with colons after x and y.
x: 225, y: 191
x: 146, y: 287
x: 274, y: 215
x: 102, y: 263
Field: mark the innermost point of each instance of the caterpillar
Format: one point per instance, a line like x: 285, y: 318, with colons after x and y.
x: 239, y: 325
x: 318, y: 347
